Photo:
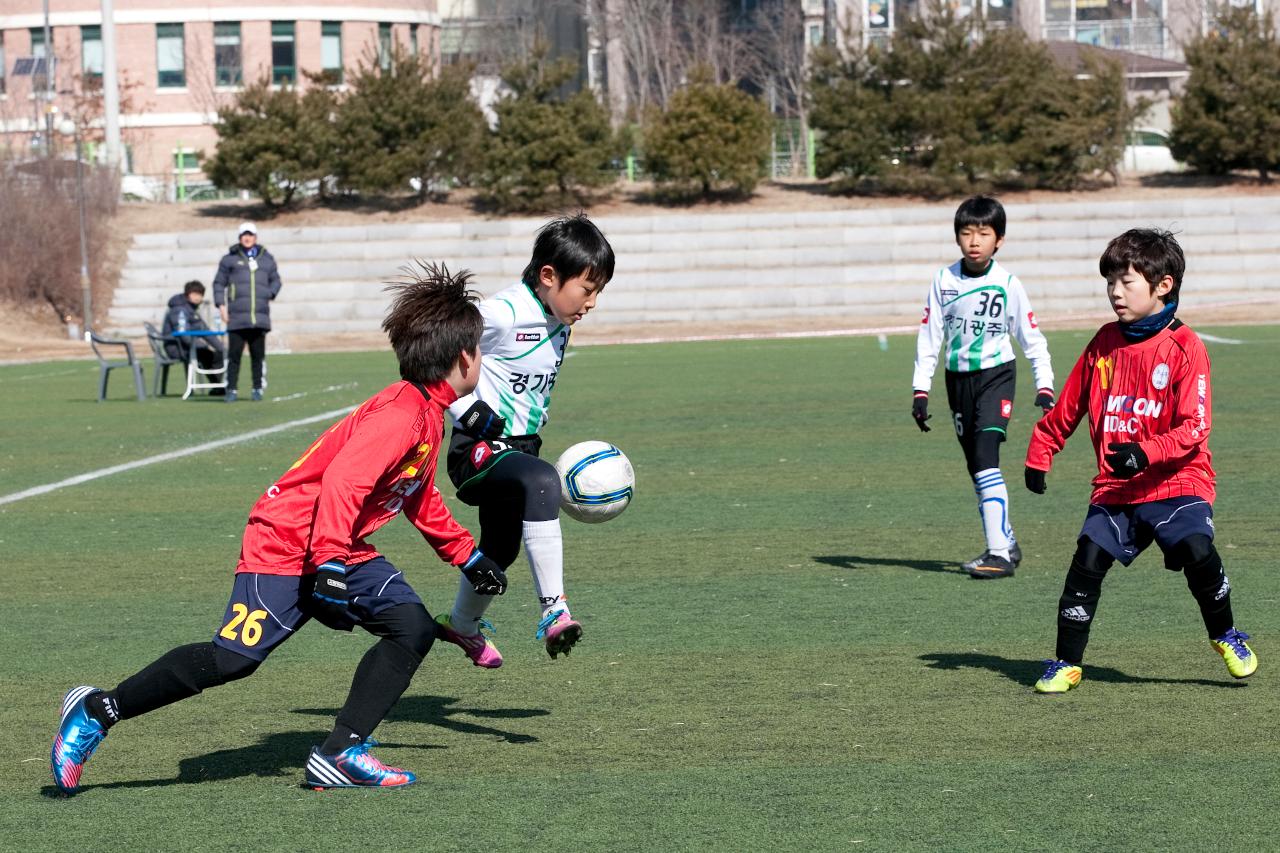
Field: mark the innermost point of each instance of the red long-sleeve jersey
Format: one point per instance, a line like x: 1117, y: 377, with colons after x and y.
x: 1155, y: 392
x: 376, y: 462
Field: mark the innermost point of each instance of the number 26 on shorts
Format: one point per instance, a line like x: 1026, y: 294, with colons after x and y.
x: 245, y: 626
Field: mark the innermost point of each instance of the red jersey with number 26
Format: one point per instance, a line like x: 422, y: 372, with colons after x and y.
x: 375, y: 463
x: 1156, y: 393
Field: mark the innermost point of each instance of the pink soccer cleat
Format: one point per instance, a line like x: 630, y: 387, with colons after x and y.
x: 560, y: 631
x: 477, y: 646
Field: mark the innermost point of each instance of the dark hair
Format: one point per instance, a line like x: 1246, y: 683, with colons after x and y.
x: 571, y: 245
x: 432, y: 320
x: 192, y: 287
x: 980, y: 210
x: 1153, y: 252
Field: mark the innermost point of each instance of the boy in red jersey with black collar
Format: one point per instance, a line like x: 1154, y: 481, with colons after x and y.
x: 305, y: 553
x: 1143, y: 382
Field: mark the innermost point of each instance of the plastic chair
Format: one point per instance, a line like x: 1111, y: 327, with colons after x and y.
x: 162, y: 361
x: 103, y: 348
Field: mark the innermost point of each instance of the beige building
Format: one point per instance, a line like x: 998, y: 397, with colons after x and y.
x: 178, y: 62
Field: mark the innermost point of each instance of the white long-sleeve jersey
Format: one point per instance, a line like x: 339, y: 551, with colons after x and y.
x: 969, y: 320
x: 521, y: 349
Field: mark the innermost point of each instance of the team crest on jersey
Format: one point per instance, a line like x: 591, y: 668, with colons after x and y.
x: 1160, y: 376
x: 528, y: 336
x: 1006, y: 408
x: 480, y: 454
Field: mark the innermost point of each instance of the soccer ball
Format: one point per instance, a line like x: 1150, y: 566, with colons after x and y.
x: 596, y: 481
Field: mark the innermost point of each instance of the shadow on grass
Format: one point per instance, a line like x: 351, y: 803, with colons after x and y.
x: 855, y: 562
x: 437, y: 711
x: 1027, y: 671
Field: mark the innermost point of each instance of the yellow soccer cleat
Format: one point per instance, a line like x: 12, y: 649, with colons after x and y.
x: 1241, y: 661
x: 1059, y: 677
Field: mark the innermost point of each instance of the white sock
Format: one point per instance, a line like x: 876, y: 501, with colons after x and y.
x: 468, y: 608
x: 544, y: 547
x: 993, y: 506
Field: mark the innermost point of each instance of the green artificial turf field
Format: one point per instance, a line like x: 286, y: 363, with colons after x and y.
x: 779, y: 650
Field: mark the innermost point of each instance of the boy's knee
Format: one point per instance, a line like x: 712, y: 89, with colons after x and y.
x: 986, y: 451
x: 1191, y: 553
x: 1090, y: 559
x: 542, y: 492
x: 410, y: 627
x: 232, y: 666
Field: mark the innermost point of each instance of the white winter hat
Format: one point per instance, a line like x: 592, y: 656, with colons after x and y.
x: 248, y: 228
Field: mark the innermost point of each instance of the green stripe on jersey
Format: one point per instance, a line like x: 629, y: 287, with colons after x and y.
x: 975, y: 352
x: 535, y: 415
x: 547, y: 339
x: 507, y: 409
x: 953, y: 353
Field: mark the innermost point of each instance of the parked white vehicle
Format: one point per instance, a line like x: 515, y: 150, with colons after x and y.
x: 1148, y: 151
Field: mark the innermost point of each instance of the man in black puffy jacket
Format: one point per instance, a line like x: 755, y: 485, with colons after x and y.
x: 246, y: 282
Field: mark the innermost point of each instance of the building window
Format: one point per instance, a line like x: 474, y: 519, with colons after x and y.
x: 171, y: 59
x: 413, y: 39
x: 228, y: 67
x: 284, y: 68
x: 186, y: 160
x: 91, y: 52
x: 331, y: 51
x: 37, y: 42
x: 2, y: 78
x: 384, y: 46
x: 815, y: 34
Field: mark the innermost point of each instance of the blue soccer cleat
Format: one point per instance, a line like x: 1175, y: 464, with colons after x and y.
x: 78, y: 736
x: 354, y: 767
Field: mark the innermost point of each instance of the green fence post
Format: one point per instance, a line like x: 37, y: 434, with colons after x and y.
x: 631, y: 167
x: 811, y: 155
x: 182, y: 173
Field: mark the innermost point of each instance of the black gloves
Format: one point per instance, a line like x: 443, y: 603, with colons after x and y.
x: 920, y: 409
x: 485, y: 576
x: 480, y: 421
x: 329, y: 597
x: 1035, y: 480
x: 1044, y: 399
x: 1126, y: 458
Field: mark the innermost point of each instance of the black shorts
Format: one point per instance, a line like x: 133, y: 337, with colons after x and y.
x: 981, y: 400
x: 469, y: 459
x: 265, y: 610
x: 1125, y: 531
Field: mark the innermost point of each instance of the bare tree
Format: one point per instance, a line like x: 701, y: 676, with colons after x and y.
x: 781, y: 59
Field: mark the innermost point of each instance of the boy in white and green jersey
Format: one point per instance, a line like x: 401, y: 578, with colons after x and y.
x: 974, y: 307
x: 493, y: 455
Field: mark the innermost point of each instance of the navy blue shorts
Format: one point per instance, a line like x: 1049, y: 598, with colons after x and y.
x: 265, y: 610
x: 1125, y: 530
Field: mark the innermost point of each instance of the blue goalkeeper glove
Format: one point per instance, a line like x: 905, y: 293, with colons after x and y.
x: 482, y: 422
x: 329, y: 596
x: 485, y: 576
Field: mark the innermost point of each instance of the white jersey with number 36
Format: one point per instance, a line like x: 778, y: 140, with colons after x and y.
x: 522, y: 348
x: 968, y: 321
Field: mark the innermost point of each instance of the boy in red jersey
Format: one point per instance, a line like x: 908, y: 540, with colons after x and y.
x: 305, y: 553
x: 1143, y: 382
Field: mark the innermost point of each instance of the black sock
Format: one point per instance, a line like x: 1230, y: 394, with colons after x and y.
x: 383, y: 675
x: 103, y: 708
x: 1212, y: 591
x: 339, y: 739
x: 177, y: 675
x: 1076, y: 609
